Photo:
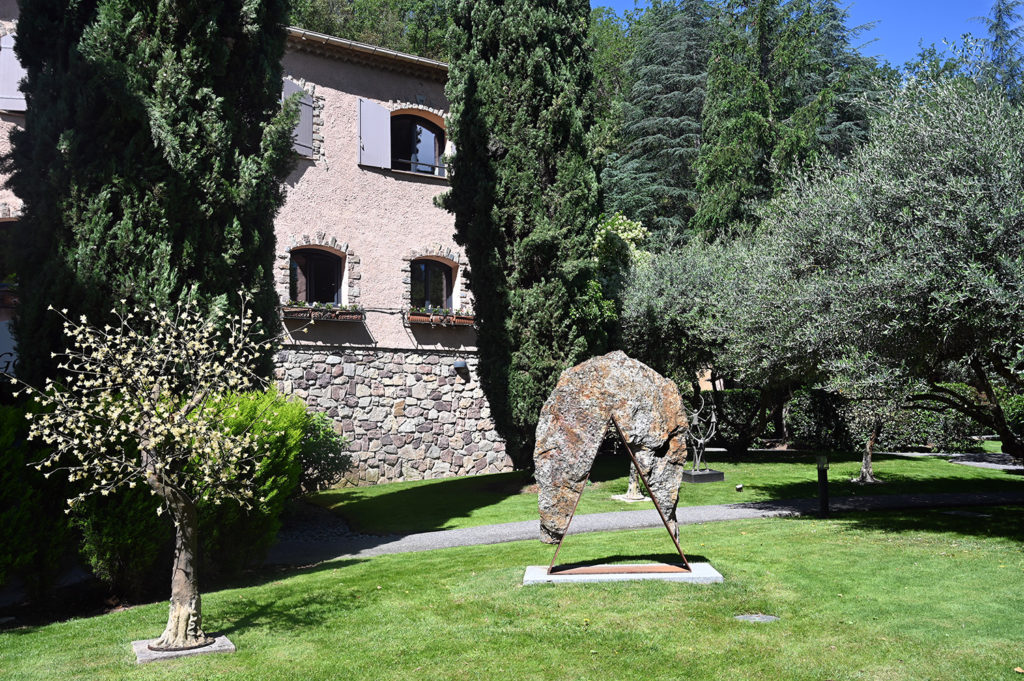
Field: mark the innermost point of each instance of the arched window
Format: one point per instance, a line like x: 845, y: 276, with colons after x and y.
x: 431, y: 284
x: 416, y: 145
x: 316, y: 276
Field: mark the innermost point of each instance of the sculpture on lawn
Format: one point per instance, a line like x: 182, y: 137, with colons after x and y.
x: 578, y: 415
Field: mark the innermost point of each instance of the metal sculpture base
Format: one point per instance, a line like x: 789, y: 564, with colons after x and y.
x: 706, y: 475
x: 657, y: 568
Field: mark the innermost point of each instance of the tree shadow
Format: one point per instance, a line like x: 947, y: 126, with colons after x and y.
x: 970, y: 521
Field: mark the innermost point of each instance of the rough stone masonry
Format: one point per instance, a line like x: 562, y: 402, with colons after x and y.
x: 575, y: 419
x: 408, y: 415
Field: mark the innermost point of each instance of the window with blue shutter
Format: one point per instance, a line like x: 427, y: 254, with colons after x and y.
x: 374, y: 135
x: 302, y: 138
x: 11, y: 73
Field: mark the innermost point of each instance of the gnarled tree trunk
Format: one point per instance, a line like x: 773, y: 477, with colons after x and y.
x: 185, y: 620
x: 867, y: 473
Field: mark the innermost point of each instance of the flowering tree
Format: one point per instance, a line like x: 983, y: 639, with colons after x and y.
x: 151, y: 409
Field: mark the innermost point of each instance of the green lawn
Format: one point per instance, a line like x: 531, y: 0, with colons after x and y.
x: 483, y: 500
x: 924, y: 595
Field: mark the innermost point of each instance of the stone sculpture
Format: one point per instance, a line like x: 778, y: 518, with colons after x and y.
x: 576, y: 418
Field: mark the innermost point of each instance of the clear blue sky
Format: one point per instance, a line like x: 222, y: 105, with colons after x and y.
x: 900, y: 24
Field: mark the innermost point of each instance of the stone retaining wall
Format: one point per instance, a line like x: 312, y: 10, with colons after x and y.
x: 408, y: 414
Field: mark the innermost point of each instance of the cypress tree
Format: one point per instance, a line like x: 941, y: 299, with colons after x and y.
x: 151, y: 160
x: 652, y: 177
x: 524, y: 195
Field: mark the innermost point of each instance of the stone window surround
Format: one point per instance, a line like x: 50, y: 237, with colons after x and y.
x: 321, y: 241
x: 448, y: 256
x: 318, y: 118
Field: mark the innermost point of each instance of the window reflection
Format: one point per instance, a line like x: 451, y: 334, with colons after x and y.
x: 416, y: 145
x: 431, y: 284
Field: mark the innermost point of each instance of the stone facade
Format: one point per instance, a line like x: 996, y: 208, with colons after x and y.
x: 409, y: 415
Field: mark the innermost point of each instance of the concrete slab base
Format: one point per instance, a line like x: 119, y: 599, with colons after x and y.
x: 700, y: 573
x: 143, y: 654
x: 706, y: 475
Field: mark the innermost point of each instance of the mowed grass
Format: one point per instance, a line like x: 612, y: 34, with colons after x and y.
x: 483, y: 500
x: 924, y: 595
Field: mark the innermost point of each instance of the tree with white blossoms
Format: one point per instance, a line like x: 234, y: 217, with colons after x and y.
x: 132, y: 408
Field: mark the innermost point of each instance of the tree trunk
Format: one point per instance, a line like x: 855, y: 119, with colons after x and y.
x: 867, y: 474
x: 633, y: 491
x: 185, y: 620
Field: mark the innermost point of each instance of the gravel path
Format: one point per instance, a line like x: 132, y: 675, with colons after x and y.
x: 317, y: 535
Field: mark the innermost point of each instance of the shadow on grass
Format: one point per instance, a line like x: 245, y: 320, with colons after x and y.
x: 632, y: 558
x: 981, y: 521
x: 290, y: 606
x: 431, y: 506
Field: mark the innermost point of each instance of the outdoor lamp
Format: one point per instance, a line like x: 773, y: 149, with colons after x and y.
x: 460, y: 365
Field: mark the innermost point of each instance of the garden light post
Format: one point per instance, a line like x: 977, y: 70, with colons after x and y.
x: 822, y: 485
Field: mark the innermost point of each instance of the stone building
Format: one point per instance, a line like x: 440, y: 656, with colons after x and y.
x: 365, y: 255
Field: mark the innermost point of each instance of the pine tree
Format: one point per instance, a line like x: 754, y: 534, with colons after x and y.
x: 778, y: 70
x: 524, y: 195
x: 652, y: 178
x: 151, y: 160
x: 1004, y: 45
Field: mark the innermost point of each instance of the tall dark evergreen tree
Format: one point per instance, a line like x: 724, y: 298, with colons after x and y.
x: 151, y: 160
x: 524, y: 195
x: 778, y: 71
x: 652, y: 178
x: 1005, y: 32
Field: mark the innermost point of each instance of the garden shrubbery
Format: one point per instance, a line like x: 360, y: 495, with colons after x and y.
x: 129, y: 547
x: 827, y: 420
x: 34, y: 536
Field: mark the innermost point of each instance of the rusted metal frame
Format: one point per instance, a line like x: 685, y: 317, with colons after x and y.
x: 657, y: 506
x: 551, y: 566
x: 625, y: 569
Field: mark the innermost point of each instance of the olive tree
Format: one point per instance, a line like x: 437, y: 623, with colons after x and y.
x: 150, y: 409
x: 912, y: 251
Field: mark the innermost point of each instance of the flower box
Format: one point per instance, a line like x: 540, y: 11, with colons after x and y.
x: 439, y: 318
x: 330, y: 314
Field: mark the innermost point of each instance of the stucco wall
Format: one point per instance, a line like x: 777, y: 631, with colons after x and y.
x: 381, y: 217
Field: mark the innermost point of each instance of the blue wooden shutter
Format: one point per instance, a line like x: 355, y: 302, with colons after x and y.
x: 302, y: 138
x: 11, y: 73
x: 374, y: 135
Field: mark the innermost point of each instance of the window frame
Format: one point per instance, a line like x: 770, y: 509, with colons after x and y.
x: 310, y: 271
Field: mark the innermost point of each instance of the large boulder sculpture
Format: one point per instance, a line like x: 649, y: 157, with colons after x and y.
x: 578, y: 415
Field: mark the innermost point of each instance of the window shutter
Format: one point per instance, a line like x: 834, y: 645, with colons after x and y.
x: 11, y: 73
x: 302, y: 137
x: 374, y: 135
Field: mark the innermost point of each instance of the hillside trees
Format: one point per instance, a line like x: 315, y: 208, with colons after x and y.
x: 779, y: 84
x: 1005, y: 32
x: 414, y: 26
x: 651, y: 178
x: 524, y: 195
x: 150, y: 163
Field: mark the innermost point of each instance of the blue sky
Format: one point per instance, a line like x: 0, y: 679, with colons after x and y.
x: 900, y: 24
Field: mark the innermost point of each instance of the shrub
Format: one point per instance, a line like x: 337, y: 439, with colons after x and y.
x: 129, y: 546
x: 34, y: 537
x: 827, y: 420
x: 322, y: 459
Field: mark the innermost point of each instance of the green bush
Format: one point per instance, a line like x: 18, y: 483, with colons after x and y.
x: 827, y: 420
x: 34, y: 536
x: 1013, y: 410
x: 322, y: 459
x: 740, y: 417
x: 129, y: 546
